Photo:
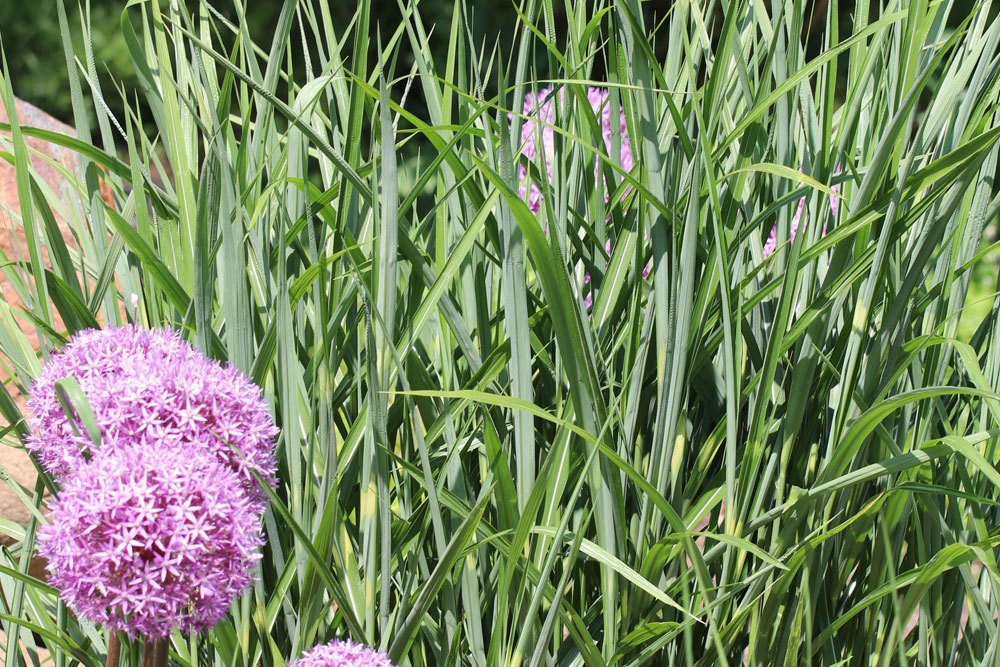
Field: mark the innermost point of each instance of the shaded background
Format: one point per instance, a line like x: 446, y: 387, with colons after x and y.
x: 33, y: 47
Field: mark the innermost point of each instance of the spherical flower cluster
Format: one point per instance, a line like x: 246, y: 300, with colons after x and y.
x: 147, y: 540
x: 340, y: 653
x: 540, y: 108
x: 151, y: 388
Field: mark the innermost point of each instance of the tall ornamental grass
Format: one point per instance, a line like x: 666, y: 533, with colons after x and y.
x: 488, y: 457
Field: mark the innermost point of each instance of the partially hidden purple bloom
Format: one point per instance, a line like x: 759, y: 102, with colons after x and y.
x: 539, y: 108
x: 340, y: 653
x: 772, y: 240
x: 145, y: 540
x: 151, y: 389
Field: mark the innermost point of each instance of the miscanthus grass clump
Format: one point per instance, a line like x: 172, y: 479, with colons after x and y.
x: 543, y: 401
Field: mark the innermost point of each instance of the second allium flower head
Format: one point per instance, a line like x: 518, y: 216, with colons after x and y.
x: 151, y: 388
x: 339, y: 653
x: 539, y: 108
x: 158, y: 526
x: 540, y: 112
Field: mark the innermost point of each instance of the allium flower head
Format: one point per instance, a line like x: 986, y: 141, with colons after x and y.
x: 145, y: 540
x: 772, y: 240
x: 151, y: 388
x: 339, y: 653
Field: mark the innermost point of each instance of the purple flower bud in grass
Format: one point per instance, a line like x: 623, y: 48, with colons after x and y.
x: 772, y: 240
x: 145, y: 540
x: 340, y: 653
x: 151, y: 388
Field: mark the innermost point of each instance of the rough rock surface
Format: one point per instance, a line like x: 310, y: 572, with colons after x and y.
x: 29, y: 654
x: 12, y: 243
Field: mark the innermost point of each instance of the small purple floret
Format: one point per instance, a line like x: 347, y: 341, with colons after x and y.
x: 339, y: 653
x: 152, y: 539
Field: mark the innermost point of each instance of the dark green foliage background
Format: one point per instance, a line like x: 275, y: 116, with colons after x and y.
x: 34, y: 51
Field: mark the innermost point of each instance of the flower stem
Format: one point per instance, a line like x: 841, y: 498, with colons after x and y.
x: 155, y: 653
x: 162, y: 654
x: 114, y: 650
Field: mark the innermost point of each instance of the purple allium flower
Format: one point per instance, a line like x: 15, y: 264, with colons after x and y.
x: 835, y: 201
x: 145, y: 540
x: 151, y: 388
x: 772, y: 240
x: 540, y: 107
x: 339, y: 653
